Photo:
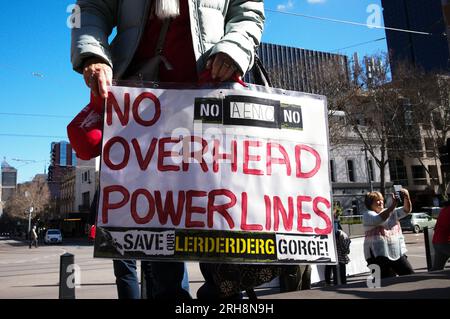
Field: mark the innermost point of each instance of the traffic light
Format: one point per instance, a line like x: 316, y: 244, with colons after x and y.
x: 444, y: 156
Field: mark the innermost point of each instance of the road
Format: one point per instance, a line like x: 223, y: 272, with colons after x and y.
x: 34, y: 273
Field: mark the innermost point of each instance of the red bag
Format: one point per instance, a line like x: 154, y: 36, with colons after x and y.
x: 85, y: 130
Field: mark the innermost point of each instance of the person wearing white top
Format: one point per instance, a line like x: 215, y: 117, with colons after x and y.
x: 384, y: 244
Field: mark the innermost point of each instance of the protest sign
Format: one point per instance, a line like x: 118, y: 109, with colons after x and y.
x: 222, y: 174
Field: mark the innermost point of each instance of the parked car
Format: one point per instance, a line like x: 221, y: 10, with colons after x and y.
x: 417, y: 221
x: 432, y: 211
x: 53, y: 236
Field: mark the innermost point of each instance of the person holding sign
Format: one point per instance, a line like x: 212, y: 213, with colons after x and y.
x: 384, y: 244
x: 169, y: 41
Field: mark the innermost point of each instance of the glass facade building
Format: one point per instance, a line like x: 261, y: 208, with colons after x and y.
x: 62, y: 154
x: 62, y: 157
x: 429, y: 52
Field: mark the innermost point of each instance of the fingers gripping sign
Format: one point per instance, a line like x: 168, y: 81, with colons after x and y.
x: 97, y: 76
x: 222, y: 67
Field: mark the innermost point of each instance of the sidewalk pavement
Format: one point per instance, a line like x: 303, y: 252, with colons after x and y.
x: 432, y: 285
x: 420, y: 285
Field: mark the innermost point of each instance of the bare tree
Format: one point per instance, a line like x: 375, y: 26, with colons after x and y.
x: 38, y: 197
x: 391, y: 118
x: 371, y: 108
x: 336, y: 86
x: 425, y: 100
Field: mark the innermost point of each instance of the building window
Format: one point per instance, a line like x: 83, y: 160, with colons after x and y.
x: 332, y: 171
x: 397, y: 170
x: 86, y: 199
x: 351, y: 171
x: 9, y: 179
x: 433, y: 173
x: 438, y: 121
x: 371, y: 171
x: 419, y: 175
x: 416, y: 144
x: 62, y: 154
x: 86, y: 177
x: 429, y: 147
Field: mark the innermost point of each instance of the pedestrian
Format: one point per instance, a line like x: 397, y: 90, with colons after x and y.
x: 384, y: 244
x: 168, y: 41
x: 336, y: 220
x: 441, y: 238
x: 33, y: 237
x: 295, y: 277
x: 339, y: 272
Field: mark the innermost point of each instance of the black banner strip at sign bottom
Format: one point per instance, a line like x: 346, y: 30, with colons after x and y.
x: 202, y: 245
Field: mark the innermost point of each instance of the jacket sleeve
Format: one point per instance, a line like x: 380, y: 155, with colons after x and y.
x: 90, y: 38
x: 244, y: 23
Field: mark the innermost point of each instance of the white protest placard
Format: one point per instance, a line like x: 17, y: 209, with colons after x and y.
x: 224, y: 174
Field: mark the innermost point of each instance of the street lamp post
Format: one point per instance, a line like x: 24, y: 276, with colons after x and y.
x: 30, y: 210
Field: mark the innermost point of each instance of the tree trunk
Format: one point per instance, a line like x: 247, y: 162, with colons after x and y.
x: 382, y: 169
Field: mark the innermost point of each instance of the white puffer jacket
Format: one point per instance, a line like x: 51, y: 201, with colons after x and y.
x: 230, y: 26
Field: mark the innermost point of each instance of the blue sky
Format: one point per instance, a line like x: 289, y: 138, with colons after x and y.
x: 36, y: 76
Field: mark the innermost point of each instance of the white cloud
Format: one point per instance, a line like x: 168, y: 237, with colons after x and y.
x: 316, y: 1
x: 288, y: 5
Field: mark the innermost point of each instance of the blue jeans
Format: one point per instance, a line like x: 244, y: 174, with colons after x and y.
x: 165, y: 280
x: 126, y: 279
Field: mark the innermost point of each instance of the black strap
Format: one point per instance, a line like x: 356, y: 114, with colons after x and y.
x: 260, y: 74
x: 149, y: 70
x: 162, y: 37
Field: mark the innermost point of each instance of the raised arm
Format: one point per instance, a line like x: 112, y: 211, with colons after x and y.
x: 407, y: 207
x: 371, y: 218
x: 90, y: 40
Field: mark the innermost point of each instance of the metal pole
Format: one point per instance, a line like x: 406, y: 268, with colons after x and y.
x: 368, y: 170
x: 67, y: 277
x: 144, y: 269
x: 429, y: 249
x: 27, y: 195
x: 29, y: 223
x: 30, y: 210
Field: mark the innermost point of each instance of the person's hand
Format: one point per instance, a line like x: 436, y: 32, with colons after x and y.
x: 405, y: 193
x: 222, y: 67
x: 407, y: 205
x: 97, y: 75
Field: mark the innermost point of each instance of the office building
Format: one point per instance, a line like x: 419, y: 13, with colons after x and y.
x: 8, y: 183
x: 429, y: 52
x: 298, y: 69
